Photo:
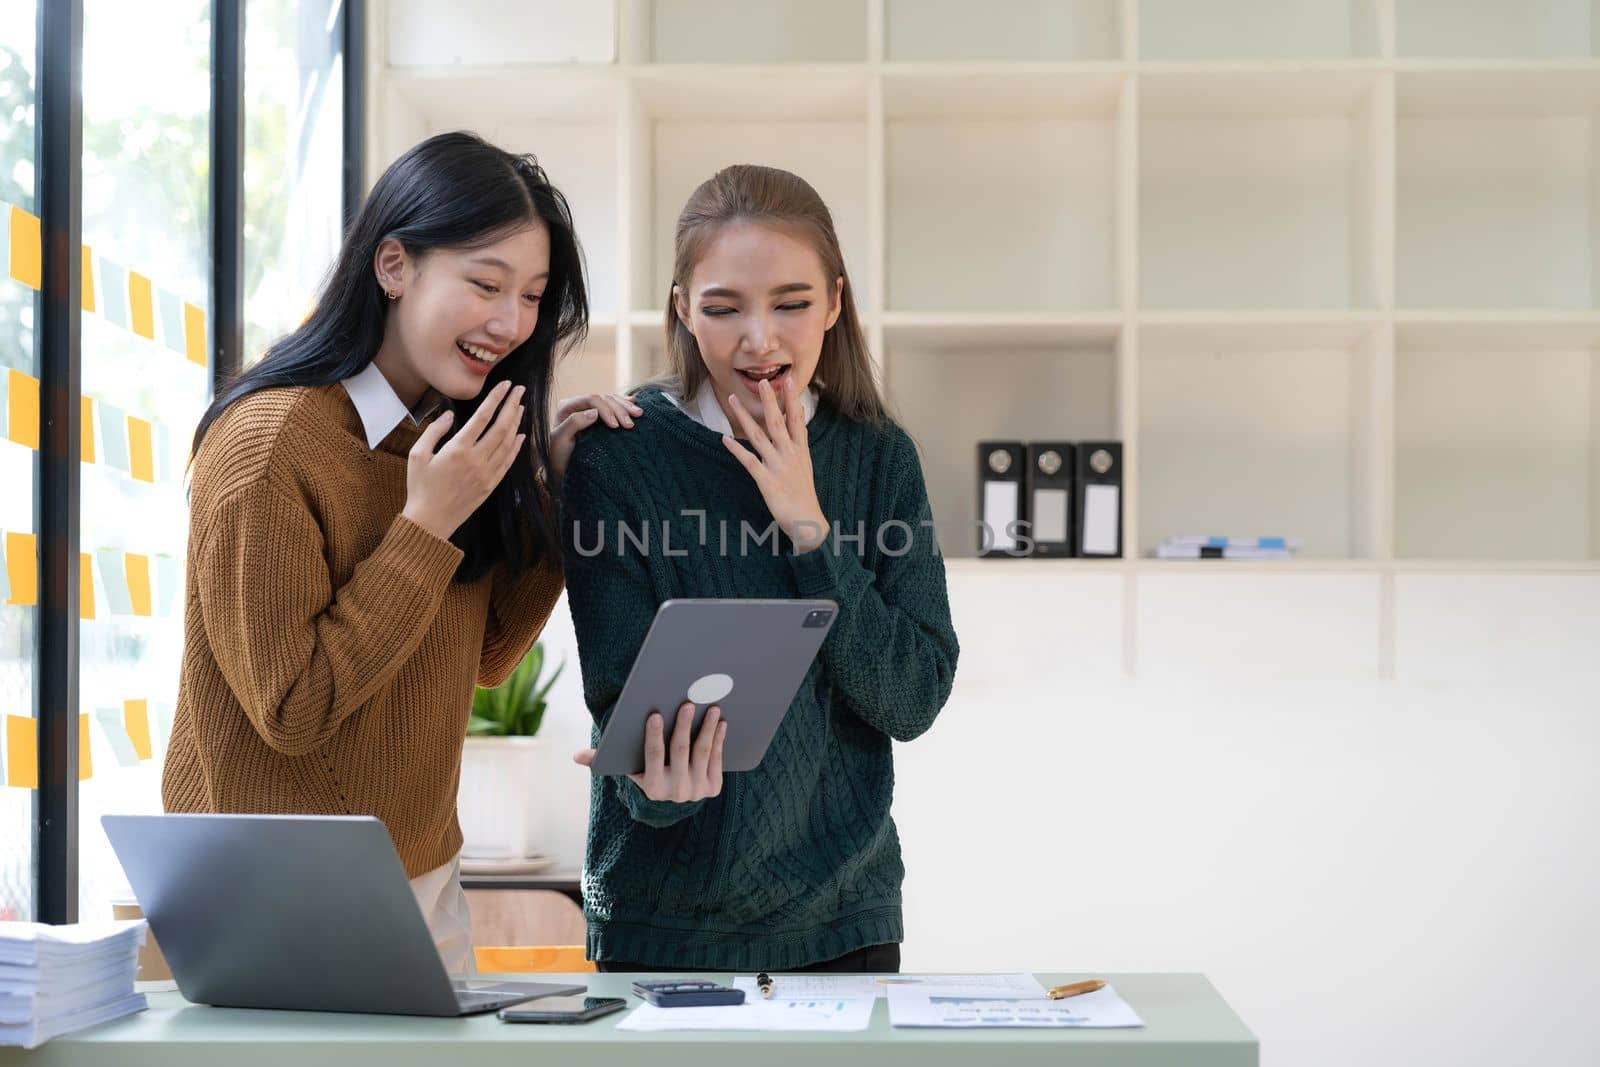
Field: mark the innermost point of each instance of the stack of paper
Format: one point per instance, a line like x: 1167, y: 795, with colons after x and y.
x: 1195, y: 546
x: 58, y: 979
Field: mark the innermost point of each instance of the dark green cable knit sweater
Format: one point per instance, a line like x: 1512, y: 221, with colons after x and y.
x: 796, y: 861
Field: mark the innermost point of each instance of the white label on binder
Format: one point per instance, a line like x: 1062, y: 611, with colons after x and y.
x: 1100, y: 515
x: 1050, y: 515
x: 999, y: 512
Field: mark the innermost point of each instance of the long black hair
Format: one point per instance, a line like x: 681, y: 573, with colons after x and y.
x: 452, y: 190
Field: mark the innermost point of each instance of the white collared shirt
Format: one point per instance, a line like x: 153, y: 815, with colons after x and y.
x: 444, y: 908
x: 705, y: 410
x: 376, y: 402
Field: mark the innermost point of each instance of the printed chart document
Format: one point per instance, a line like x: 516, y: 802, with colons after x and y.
x: 952, y: 1007
x: 807, y: 986
x: 836, y: 1014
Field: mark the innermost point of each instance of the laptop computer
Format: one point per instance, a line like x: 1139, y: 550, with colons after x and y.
x: 298, y: 912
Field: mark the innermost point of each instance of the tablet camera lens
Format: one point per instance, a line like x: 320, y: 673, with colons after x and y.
x: 817, y: 619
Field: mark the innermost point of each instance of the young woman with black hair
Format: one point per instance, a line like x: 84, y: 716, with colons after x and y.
x: 370, y: 532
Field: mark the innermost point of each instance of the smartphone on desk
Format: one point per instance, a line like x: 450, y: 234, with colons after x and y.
x: 562, y: 1009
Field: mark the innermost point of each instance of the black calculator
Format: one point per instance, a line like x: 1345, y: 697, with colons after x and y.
x: 687, y: 993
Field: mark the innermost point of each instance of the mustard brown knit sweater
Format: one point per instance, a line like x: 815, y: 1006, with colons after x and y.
x: 329, y: 656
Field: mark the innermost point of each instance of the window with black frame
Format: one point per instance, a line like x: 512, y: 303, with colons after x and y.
x: 146, y: 381
x: 148, y: 358
x: 20, y: 267
x: 293, y: 160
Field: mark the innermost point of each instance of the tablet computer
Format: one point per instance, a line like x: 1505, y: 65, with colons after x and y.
x: 748, y: 657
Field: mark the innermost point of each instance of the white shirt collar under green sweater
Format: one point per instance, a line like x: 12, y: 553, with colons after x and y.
x: 705, y: 409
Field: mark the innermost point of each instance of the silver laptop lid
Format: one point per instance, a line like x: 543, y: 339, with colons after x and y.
x: 305, y: 912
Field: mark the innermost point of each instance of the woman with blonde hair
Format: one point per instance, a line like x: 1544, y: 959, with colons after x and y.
x: 770, y: 421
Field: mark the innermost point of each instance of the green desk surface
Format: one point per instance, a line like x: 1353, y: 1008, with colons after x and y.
x: 1186, y: 1025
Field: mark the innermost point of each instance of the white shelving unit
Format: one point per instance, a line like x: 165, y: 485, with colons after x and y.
x: 1330, y: 268
x: 1478, y: 29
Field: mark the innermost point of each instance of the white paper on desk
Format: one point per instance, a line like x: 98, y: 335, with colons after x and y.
x: 837, y: 1014
x: 969, y: 1008
x: 826, y: 986
x: 35, y: 1033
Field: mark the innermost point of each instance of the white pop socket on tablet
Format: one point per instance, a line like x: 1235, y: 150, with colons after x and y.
x: 711, y: 688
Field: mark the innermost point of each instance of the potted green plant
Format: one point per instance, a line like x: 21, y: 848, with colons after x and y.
x: 498, y: 800
x: 516, y: 708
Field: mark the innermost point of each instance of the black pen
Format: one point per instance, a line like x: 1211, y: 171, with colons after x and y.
x: 764, y: 983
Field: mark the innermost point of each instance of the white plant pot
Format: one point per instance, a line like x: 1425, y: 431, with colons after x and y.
x: 499, y: 803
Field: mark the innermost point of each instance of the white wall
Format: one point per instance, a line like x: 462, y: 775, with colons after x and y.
x: 1355, y: 866
x: 1373, y: 872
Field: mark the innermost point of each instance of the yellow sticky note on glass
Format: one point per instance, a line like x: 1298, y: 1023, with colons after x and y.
x: 22, y: 751
x: 22, y: 568
x: 27, y: 261
x: 141, y: 451
x: 139, y: 583
x: 85, y: 764
x: 86, y: 430
x: 85, y: 586
x: 141, y: 305
x: 194, y: 334
x: 136, y: 717
x: 88, y: 280
x: 22, y: 409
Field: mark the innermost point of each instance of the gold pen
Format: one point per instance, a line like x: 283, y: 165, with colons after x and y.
x: 1061, y: 992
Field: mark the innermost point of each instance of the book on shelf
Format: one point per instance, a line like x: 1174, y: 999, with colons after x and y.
x: 1196, y: 546
x: 1292, y: 544
x: 1207, y: 552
